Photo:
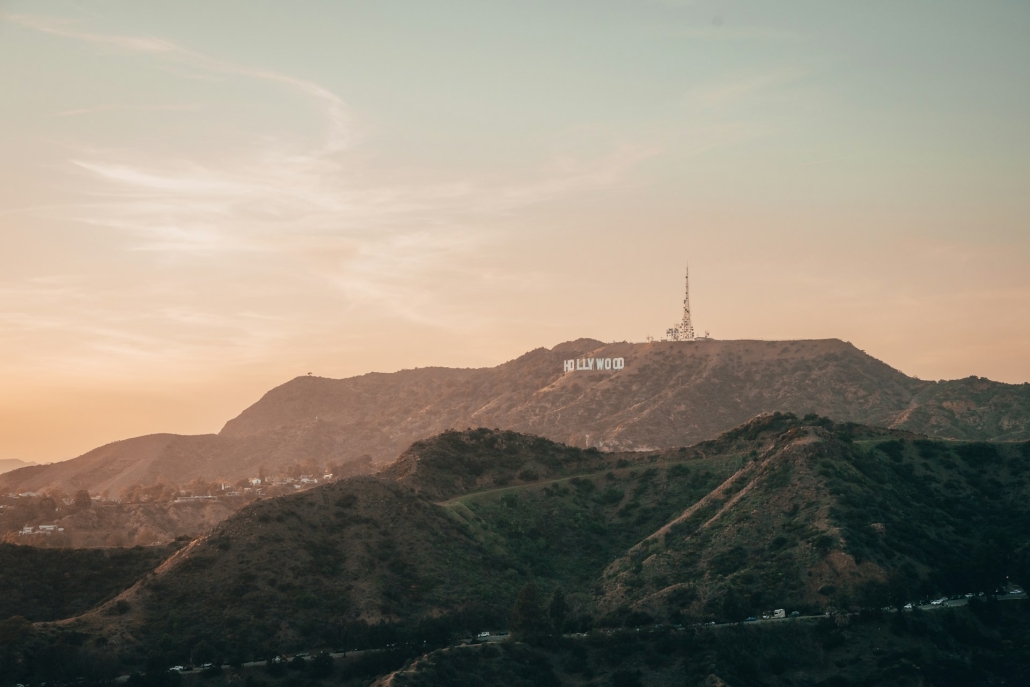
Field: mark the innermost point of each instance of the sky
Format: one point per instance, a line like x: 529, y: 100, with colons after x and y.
x: 200, y: 201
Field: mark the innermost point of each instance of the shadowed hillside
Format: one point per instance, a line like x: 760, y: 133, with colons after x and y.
x: 782, y: 512
x: 823, y: 515
x: 985, y: 645
x: 49, y: 584
x: 668, y: 394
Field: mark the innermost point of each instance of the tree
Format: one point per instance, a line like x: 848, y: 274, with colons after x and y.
x: 872, y: 595
x: 14, y: 630
x: 901, y: 586
x: 203, y: 652
x: 321, y: 666
x: 82, y: 499
x: 989, y: 560
x: 626, y: 678
x: 528, y: 618
x: 556, y: 610
x: 1021, y: 566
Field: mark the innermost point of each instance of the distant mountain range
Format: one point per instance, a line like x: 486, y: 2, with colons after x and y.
x: 661, y: 394
x: 8, y: 464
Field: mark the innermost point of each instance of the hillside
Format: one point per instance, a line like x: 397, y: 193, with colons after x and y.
x: 42, y: 584
x: 668, y: 394
x: 174, y: 459
x: 139, y: 524
x: 823, y: 515
x: 782, y: 512
x: 985, y: 645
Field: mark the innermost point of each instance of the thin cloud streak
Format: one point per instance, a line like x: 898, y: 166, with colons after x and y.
x: 278, y: 208
x: 339, y: 134
x: 735, y: 90
x: 741, y: 33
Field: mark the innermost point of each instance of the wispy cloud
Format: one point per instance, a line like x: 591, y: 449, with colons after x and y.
x: 734, y: 89
x: 733, y: 33
x: 339, y: 129
x: 281, y: 210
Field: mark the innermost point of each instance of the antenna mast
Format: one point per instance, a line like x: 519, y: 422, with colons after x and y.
x: 686, y: 328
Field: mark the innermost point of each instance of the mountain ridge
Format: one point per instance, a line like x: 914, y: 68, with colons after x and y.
x: 668, y: 394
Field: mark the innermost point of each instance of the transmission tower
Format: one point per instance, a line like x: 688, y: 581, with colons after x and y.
x: 686, y: 328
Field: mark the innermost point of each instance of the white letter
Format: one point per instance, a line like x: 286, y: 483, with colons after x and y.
x: 607, y: 363
x: 590, y: 363
x: 570, y: 365
x: 619, y: 363
x: 581, y: 364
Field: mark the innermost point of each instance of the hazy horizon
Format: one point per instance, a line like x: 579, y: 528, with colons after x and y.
x: 199, y: 203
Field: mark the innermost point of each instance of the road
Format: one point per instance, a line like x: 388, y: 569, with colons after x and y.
x: 951, y: 603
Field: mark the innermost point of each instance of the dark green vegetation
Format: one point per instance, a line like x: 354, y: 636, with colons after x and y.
x: 986, y: 645
x: 836, y: 515
x: 782, y: 512
x: 566, y: 531
x: 49, y: 584
x: 956, y: 514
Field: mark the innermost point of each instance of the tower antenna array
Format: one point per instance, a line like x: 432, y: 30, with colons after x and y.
x: 686, y: 328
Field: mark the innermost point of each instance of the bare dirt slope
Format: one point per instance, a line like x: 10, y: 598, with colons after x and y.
x: 668, y: 394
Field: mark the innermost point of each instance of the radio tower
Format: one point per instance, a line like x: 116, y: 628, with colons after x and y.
x: 686, y: 328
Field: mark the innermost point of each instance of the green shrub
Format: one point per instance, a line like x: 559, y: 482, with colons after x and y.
x: 610, y: 496
x: 895, y: 449
x: 977, y: 454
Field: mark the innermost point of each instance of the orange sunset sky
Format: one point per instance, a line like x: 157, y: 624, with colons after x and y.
x: 200, y: 201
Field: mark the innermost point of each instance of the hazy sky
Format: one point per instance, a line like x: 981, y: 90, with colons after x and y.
x: 202, y: 200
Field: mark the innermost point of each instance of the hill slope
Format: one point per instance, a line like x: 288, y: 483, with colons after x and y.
x: 780, y: 512
x: 668, y: 394
x: 46, y: 584
x: 823, y: 516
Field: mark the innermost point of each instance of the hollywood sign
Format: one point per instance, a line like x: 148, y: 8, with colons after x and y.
x: 595, y: 364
